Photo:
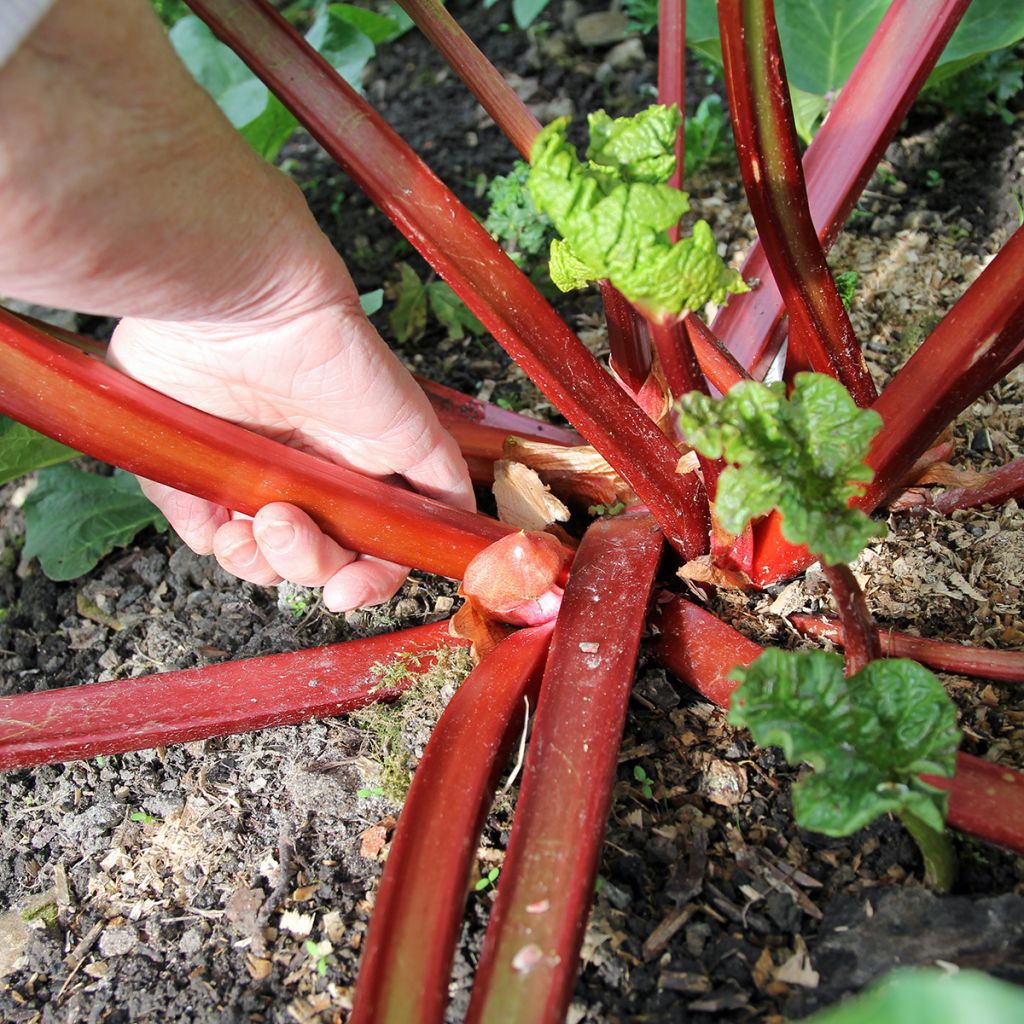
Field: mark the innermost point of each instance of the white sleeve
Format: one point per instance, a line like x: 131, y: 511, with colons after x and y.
x: 17, y: 19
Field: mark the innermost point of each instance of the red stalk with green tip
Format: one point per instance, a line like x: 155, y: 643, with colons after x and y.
x: 196, y: 704
x: 417, y: 915
x: 528, y: 964
x: 95, y: 409
x: 672, y: 76
x: 986, y: 800
x: 843, y: 156
x: 462, y: 252
x: 858, y: 622
x: 821, y: 336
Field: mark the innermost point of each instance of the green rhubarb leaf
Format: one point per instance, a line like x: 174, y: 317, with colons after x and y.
x: 23, y: 450
x: 803, y: 456
x: 868, y: 738
x: 614, y: 213
x: 451, y: 312
x: 73, y: 519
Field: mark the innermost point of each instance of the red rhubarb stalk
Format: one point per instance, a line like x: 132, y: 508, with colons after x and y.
x: 821, y: 336
x: 462, y: 252
x: 529, y: 960
x: 628, y: 344
x: 999, y: 487
x: 986, y: 800
x: 871, y: 106
x: 941, y: 655
x: 478, y: 74
x: 65, y: 394
x: 405, y: 970
x: 196, y: 704
x: 858, y: 622
x: 672, y: 76
x: 717, y: 363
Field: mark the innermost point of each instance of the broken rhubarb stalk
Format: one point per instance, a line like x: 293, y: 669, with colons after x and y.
x: 529, y: 961
x: 406, y: 965
x: 65, y: 394
x: 77, y: 722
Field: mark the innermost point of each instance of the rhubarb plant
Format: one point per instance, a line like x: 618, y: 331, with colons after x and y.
x: 869, y: 733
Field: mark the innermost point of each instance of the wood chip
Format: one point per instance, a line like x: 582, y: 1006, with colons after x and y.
x: 523, y: 500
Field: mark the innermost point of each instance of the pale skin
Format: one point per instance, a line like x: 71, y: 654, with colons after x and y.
x: 127, y: 193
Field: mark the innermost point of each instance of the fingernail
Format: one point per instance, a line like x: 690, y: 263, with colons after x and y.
x: 242, y: 554
x: 277, y: 534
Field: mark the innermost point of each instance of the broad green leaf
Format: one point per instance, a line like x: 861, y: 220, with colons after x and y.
x: 526, y: 12
x: 23, y: 450
x: 988, y: 25
x: 802, y: 455
x: 808, y: 110
x: 343, y: 45
x: 450, y: 311
x: 868, y: 738
x: 378, y: 28
x: 371, y: 302
x: 925, y: 996
x: 614, y: 213
x: 409, y: 317
x: 73, y: 519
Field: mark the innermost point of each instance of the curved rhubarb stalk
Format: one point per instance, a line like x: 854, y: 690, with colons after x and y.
x: 985, y: 800
x: 59, y: 391
x: 405, y: 970
x: 998, y: 487
x: 529, y: 960
x: 941, y: 655
x: 821, y: 336
x: 195, y: 704
x: 843, y: 156
x: 462, y: 252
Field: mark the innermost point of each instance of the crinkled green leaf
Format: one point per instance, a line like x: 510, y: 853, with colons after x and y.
x: 512, y: 219
x: 614, y: 212
x: 868, y: 738
x: 930, y: 996
x: 73, y: 519
x: 408, y: 319
x: 803, y: 456
x: 640, y: 148
x: 23, y: 450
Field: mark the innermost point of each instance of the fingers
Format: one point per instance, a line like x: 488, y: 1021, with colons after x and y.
x: 235, y: 547
x: 295, y: 547
x: 442, y: 473
x: 194, y: 520
x: 366, y: 581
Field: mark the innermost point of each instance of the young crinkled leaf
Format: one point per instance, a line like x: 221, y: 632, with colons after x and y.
x: 802, y: 455
x: 614, y: 213
x: 868, y: 737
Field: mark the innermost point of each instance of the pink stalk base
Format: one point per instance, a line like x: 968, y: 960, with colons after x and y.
x: 1003, y: 666
x: 529, y: 962
x: 195, y: 704
x: 418, y: 912
x: 985, y: 800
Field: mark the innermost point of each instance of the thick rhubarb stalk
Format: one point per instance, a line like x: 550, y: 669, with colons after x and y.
x: 462, y: 252
x: 843, y: 156
x: 405, y: 969
x: 717, y: 363
x: 941, y: 655
x: 93, y: 408
x: 529, y: 961
x: 196, y: 704
x: 628, y: 344
x: 985, y: 800
x: 821, y: 336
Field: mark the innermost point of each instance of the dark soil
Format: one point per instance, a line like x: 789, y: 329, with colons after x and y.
x: 184, y: 884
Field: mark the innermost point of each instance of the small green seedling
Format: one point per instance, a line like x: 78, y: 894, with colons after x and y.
x: 142, y: 817
x: 646, y: 782
x: 933, y: 178
x: 487, y: 881
x: 319, y: 952
x: 606, y: 510
x: 369, y: 792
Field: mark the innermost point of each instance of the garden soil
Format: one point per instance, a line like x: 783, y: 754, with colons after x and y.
x: 232, y: 880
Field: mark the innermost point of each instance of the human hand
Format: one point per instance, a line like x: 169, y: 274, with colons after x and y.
x: 313, y: 374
